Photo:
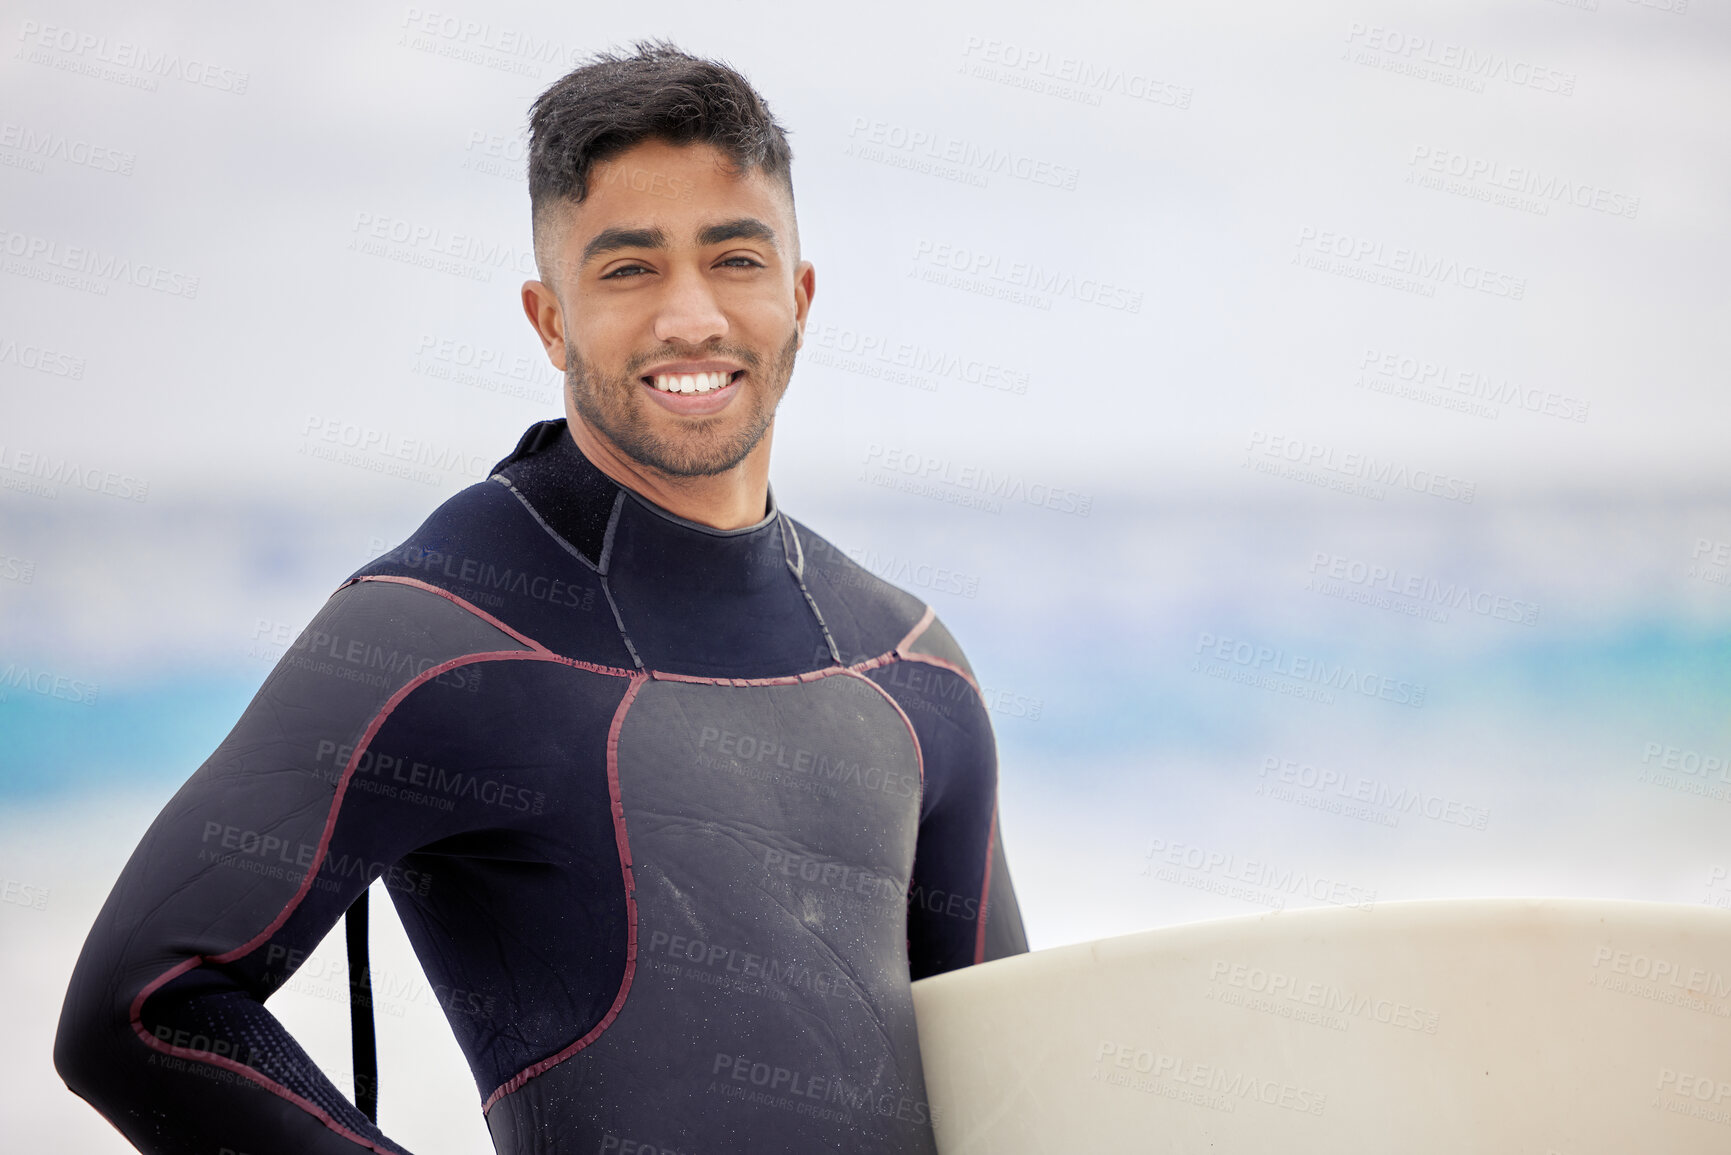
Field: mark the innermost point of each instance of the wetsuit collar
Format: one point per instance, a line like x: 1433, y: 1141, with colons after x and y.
x: 575, y: 500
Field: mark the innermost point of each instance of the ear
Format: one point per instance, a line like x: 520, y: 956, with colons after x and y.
x: 804, y: 288
x: 541, y: 306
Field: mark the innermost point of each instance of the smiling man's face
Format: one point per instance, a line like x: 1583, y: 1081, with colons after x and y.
x: 677, y: 305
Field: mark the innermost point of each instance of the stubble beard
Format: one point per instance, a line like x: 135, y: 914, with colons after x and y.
x: 617, y: 410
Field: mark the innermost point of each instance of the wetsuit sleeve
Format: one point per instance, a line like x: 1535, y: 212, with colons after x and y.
x: 961, y: 906
x: 164, y: 1028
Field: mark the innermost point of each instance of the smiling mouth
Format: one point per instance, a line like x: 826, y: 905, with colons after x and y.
x: 692, y: 383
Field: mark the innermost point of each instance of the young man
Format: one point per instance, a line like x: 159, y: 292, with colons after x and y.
x: 679, y: 797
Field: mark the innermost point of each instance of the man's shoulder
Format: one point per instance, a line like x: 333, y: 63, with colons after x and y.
x: 868, y: 615
x: 374, y: 637
x: 459, y: 525
x: 484, y: 544
x: 489, y: 552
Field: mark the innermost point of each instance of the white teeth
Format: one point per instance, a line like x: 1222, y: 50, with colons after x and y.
x: 690, y: 382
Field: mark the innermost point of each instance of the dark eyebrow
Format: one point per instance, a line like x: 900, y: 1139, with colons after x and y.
x: 740, y: 229
x: 612, y: 240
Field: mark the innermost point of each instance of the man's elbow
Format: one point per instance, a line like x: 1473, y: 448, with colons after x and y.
x: 91, y: 1044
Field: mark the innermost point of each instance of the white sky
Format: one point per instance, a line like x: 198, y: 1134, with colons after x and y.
x: 1198, y: 208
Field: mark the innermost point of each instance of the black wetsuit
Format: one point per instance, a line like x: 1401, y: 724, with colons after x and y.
x: 672, y: 814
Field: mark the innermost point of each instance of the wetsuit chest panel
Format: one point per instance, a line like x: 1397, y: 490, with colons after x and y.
x: 772, y: 832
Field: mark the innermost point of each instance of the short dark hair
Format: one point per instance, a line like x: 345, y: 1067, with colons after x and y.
x: 615, y: 102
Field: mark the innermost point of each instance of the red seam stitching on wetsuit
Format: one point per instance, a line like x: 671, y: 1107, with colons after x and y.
x: 856, y: 670
x: 247, y: 1072
x: 780, y: 680
x: 417, y: 583
x: 901, y: 651
x: 538, y: 647
x: 367, y: 736
x: 136, y: 1011
x: 624, y: 844
x: 986, y: 887
x: 919, y: 754
x: 882, y: 659
x: 920, y: 627
x: 449, y: 596
x: 929, y: 660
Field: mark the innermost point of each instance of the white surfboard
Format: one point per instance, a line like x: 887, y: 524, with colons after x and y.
x: 1549, y: 1027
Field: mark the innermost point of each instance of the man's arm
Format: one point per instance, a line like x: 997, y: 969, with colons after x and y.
x: 962, y: 907
x: 164, y: 1029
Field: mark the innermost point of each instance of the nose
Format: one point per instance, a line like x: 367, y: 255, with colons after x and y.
x: 688, y: 312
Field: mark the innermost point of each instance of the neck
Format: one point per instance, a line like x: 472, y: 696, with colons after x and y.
x: 731, y: 500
